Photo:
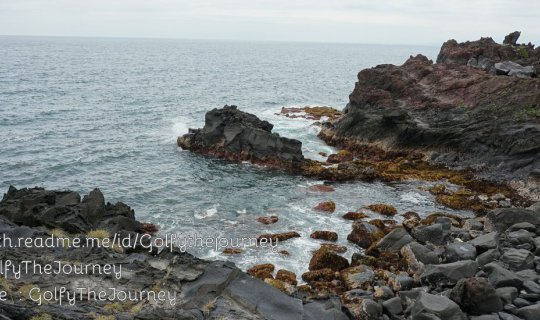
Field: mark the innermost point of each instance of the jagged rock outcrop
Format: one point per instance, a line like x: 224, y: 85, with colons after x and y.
x: 484, y: 53
x: 461, y: 116
x: 239, y: 136
x: 36, y: 207
x: 201, y: 289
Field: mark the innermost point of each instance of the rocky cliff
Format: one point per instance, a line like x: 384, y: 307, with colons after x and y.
x: 454, y: 111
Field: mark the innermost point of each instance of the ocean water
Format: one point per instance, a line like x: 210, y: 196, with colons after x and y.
x: 80, y: 113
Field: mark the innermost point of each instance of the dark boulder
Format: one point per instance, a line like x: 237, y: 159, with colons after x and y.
x: 476, y: 296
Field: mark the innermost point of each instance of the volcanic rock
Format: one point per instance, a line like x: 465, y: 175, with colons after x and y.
x: 239, y: 136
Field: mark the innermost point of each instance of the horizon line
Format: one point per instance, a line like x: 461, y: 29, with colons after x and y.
x: 213, y: 39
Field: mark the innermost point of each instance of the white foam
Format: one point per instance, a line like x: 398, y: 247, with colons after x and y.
x: 208, y: 212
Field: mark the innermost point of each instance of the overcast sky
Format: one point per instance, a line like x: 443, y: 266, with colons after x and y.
x: 360, y: 21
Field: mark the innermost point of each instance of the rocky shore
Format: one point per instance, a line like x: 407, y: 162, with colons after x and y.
x: 471, y: 123
x: 201, y: 289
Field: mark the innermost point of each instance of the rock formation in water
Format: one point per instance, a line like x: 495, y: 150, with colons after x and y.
x: 461, y: 110
x: 202, y: 289
x: 238, y: 136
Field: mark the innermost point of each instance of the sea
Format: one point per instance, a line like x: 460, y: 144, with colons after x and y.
x: 85, y: 113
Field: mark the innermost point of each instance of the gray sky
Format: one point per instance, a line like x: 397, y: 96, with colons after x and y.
x: 359, y: 21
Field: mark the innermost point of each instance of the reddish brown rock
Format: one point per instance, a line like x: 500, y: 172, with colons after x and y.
x: 325, y: 258
x: 286, y: 276
x: 325, y: 274
x: 321, y: 188
x: 324, y: 235
x: 311, y: 113
x: 354, y: 215
x: 384, y: 209
x: 262, y: 271
x: 232, y: 251
x: 273, y: 237
x: 411, y: 215
x: 268, y: 219
x: 365, y: 234
x: 148, y: 228
x: 341, y: 156
x: 327, y: 206
x: 334, y: 247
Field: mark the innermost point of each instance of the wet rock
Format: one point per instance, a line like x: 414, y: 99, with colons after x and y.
x: 324, y: 235
x: 476, y: 296
x: 327, y: 206
x: 518, y: 259
x: 394, y: 240
x: 322, y: 275
x: 232, y: 251
x: 334, y: 247
x: 239, y: 136
x: 321, y: 188
x: 268, y: 219
x: 262, y: 271
x: 341, y: 156
x: 286, y: 276
x: 427, y: 304
x: 449, y: 273
x: 411, y: 215
x: 460, y: 251
x: 530, y: 312
x: 325, y: 258
x: 383, y: 209
x: 359, y: 277
x: 354, y: 215
x: 364, y: 234
x: 276, y: 237
x: 499, y: 277
x: 485, y: 242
